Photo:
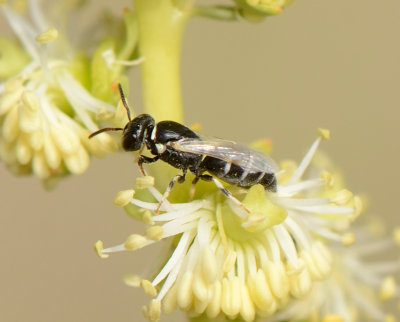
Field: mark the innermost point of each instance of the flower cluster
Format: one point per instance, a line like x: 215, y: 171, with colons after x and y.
x: 49, y: 100
x: 225, y: 262
x: 358, y: 284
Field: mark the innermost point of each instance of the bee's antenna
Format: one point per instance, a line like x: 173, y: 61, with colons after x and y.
x: 121, y: 92
x: 104, y: 130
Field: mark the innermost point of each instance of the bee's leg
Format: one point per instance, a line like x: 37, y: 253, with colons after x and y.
x: 180, y: 178
x: 225, y: 191
x: 193, y: 188
x: 143, y: 159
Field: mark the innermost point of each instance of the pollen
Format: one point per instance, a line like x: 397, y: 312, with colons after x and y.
x: 342, y: 197
x: 144, y: 182
x: 132, y: 280
x: 47, y: 36
x: 98, y: 247
x: 358, y: 207
x: 327, y: 177
x: 324, y: 133
x: 148, y: 217
x: 154, y: 232
x: 135, y: 241
x: 148, y: 288
x: 348, y: 239
x: 152, y: 311
x: 123, y: 197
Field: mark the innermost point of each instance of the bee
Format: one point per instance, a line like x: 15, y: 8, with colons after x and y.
x: 208, y: 159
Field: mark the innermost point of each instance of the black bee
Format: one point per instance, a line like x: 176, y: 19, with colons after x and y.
x: 182, y: 148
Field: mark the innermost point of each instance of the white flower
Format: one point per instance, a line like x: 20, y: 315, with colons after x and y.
x: 225, y: 262
x: 46, y: 114
x: 357, y: 287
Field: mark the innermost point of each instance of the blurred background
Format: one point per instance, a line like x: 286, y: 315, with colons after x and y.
x: 332, y: 64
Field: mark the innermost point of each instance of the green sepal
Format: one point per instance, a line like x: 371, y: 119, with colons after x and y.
x: 12, y: 58
x: 259, y: 204
x: 80, y: 70
x: 102, y: 75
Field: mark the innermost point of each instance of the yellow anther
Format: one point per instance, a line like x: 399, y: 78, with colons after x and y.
x: 396, y: 235
x: 148, y: 288
x: 185, y: 291
x: 300, y: 266
x: 98, y: 247
x: 324, y: 133
x: 388, y: 288
x: 47, y: 36
x: 229, y: 262
x: 332, y: 318
x: 152, y: 311
x: 342, y: 197
x: 358, y: 207
x: 148, y: 217
x: 327, y: 177
x: 144, y: 182
x: 348, y: 239
x: 132, y: 280
x: 154, y: 232
x: 135, y: 241
x: 123, y: 197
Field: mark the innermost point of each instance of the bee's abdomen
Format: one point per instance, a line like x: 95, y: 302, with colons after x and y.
x: 236, y: 175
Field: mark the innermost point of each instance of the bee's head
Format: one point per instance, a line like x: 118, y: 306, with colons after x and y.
x: 134, y: 133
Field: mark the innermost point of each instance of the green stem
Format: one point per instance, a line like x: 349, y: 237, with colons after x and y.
x: 161, y: 24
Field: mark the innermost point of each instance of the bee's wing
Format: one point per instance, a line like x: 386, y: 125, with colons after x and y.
x: 228, y: 151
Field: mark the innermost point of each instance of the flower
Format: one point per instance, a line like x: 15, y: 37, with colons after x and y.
x: 255, y: 10
x: 357, y: 286
x: 47, y: 105
x: 225, y: 261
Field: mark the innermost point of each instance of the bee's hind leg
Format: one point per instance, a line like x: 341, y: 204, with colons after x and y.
x: 180, y: 178
x: 193, y: 188
x: 225, y: 191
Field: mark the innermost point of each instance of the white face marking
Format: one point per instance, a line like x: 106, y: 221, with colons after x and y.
x: 160, y: 147
x: 153, y: 133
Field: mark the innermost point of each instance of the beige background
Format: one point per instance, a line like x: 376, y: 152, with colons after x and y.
x: 331, y: 64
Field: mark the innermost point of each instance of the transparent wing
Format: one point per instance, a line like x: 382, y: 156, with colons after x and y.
x: 228, y: 151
